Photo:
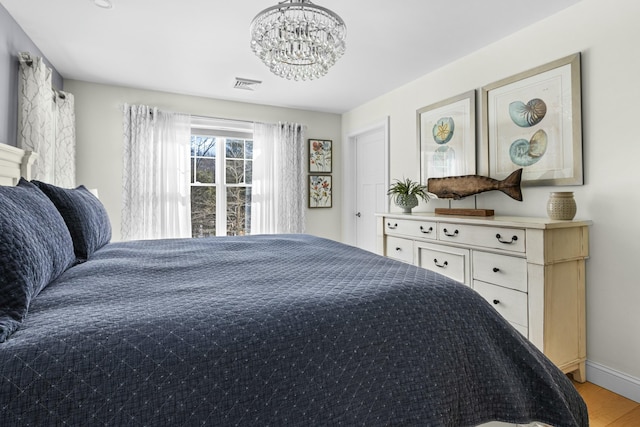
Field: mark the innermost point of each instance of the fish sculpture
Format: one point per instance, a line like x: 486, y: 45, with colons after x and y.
x: 458, y: 187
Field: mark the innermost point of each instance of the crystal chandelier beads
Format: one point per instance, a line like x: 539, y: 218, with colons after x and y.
x: 297, y: 39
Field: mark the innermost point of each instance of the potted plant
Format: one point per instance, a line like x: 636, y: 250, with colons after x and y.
x: 406, y: 192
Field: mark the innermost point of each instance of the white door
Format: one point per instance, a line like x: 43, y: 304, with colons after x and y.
x: 370, y: 185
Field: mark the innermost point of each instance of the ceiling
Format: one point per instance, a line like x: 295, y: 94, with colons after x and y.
x: 199, y: 47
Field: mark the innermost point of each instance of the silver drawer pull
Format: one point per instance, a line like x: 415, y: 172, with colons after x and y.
x: 496, y: 269
x: 443, y: 265
x: 506, y: 242
x: 422, y: 230
x: 446, y: 233
x: 496, y: 301
x: 392, y: 227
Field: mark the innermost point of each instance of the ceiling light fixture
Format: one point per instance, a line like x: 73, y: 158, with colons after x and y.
x: 297, y: 39
x: 105, y: 4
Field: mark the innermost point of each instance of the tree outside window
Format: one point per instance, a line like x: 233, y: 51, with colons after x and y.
x: 221, y: 175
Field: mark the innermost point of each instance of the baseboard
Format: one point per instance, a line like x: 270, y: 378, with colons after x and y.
x: 616, y: 381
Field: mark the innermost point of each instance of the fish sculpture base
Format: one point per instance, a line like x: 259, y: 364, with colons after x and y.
x: 464, y: 212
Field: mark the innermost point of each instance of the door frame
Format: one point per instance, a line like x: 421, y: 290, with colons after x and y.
x: 349, y: 177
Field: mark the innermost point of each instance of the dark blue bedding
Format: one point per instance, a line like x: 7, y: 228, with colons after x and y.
x: 270, y: 330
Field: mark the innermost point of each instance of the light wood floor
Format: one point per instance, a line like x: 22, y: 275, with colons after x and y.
x: 607, y: 408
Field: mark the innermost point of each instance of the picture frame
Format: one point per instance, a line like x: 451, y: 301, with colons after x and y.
x: 533, y: 120
x: 320, y: 191
x: 320, y: 151
x: 447, y: 137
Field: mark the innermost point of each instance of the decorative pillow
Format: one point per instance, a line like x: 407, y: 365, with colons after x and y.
x: 35, y: 248
x: 85, y: 216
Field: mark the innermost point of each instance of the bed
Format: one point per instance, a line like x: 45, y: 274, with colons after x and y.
x: 274, y: 330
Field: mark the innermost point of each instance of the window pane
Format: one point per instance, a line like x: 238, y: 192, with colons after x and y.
x: 229, y: 194
x: 203, y: 211
x: 238, y: 211
x: 247, y: 210
x: 203, y: 146
x: 248, y: 171
x: 234, y: 149
x: 206, y: 170
x: 234, y: 171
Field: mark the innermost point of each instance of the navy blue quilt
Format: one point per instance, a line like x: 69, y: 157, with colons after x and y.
x: 270, y: 331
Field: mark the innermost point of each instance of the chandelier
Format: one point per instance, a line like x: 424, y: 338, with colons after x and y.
x: 297, y: 39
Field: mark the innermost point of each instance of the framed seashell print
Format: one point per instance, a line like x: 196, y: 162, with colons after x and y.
x: 447, y: 137
x: 533, y: 120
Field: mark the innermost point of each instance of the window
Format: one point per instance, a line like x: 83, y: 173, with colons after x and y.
x: 221, y: 175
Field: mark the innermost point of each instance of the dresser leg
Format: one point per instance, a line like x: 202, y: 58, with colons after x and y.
x: 580, y: 374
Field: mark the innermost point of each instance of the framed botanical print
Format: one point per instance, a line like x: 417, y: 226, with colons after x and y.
x: 533, y: 121
x: 320, y: 155
x: 447, y: 137
x: 320, y: 191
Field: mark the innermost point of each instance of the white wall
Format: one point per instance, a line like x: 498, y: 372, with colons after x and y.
x: 99, y: 140
x: 607, y: 33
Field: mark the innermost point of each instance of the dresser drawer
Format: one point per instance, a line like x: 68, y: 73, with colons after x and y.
x: 511, y: 304
x: 503, y: 270
x: 508, y: 239
x: 400, y: 249
x: 522, y: 329
x: 448, y: 261
x: 413, y: 228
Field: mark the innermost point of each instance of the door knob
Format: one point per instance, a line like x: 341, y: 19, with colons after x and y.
x: 358, y: 215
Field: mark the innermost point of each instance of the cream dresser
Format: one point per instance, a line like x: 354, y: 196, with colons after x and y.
x: 532, y: 270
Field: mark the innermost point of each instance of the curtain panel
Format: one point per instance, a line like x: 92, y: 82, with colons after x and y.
x: 278, y: 200
x: 156, y: 169
x: 46, y: 123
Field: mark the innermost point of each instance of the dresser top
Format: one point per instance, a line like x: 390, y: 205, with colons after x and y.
x: 503, y: 221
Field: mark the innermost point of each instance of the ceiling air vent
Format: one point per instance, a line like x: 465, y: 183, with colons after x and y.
x: 246, y: 84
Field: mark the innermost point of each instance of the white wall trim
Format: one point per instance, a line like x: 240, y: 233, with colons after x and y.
x: 349, y: 177
x: 616, y: 381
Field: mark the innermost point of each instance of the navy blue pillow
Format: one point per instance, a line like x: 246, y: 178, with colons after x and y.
x: 84, y: 215
x: 35, y: 248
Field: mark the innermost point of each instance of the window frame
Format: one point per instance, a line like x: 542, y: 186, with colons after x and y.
x: 222, y: 130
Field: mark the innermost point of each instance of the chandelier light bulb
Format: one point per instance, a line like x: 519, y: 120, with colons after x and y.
x: 297, y: 39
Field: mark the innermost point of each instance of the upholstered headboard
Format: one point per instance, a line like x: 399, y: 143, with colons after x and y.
x: 15, y: 163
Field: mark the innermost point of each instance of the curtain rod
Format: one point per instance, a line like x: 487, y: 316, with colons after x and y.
x: 252, y: 122
x: 25, y: 58
x: 223, y: 119
x: 197, y: 116
x: 60, y: 94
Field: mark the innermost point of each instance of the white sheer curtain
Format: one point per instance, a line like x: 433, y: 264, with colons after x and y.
x: 156, y: 201
x: 46, y: 123
x: 278, y: 196
x: 64, y: 165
